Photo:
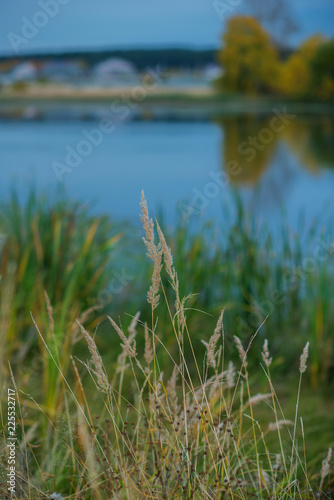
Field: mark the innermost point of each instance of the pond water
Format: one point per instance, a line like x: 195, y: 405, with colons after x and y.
x: 187, y: 168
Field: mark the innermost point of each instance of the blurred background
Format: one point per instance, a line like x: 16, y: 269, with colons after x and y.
x: 173, y: 80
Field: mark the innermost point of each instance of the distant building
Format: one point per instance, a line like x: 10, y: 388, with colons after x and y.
x: 115, y: 70
x: 59, y: 71
x: 26, y: 71
x: 212, y: 72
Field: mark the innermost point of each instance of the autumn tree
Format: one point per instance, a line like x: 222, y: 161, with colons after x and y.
x: 248, y: 57
x: 296, y: 74
x: 277, y: 16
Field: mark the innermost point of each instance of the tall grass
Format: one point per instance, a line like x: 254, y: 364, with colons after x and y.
x: 61, y: 249
x: 52, y: 253
x: 255, y: 274
x: 184, y: 429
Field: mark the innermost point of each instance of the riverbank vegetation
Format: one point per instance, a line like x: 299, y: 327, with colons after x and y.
x: 176, y: 401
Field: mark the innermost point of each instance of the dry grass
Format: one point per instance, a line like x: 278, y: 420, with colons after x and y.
x: 195, y: 432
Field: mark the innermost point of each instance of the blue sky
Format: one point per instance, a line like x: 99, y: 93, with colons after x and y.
x: 128, y: 23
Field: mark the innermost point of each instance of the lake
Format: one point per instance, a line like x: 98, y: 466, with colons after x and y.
x: 188, y: 166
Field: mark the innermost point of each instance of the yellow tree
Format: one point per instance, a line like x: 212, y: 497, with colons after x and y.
x: 296, y: 74
x: 248, y: 57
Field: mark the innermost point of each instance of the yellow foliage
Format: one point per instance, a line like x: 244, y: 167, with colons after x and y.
x: 310, y: 46
x: 251, y: 63
x: 326, y: 90
x: 248, y: 57
x: 295, y: 74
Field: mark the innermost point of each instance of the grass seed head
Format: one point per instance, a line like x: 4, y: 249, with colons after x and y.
x: 266, y: 355
x: 102, y: 379
x: 241, y: 351
x: 326, y: 464
x: 303, y: 359
x: 148, y: 353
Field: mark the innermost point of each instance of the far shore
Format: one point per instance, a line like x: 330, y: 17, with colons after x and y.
x: 180, y: 97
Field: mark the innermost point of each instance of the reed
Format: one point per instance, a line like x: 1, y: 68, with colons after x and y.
x: 54, y: 252
x: 142, y: 428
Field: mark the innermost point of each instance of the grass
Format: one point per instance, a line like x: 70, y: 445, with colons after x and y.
x: 132, y: 426
x: 58, y: 253
x: 241, y: 267
x: 52, y: 252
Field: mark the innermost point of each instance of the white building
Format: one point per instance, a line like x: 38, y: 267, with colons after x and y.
x: 25, y: 71
x: 115, y: 70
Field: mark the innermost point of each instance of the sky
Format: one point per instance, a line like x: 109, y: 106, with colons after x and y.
x: 82, y: 24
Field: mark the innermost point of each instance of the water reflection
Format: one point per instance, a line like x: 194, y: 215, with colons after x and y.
x: 312, y: 141
x: 255, y: 145
x: 173, y: 158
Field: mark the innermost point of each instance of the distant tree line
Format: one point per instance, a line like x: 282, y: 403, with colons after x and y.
x: 141, y: 58
x: 178, y: 58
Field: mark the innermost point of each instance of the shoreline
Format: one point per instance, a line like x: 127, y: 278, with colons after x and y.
x: 165, y: 97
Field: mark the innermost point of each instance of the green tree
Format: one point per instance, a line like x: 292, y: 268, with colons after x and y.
x: 248, y: 57
x: 322, y: 67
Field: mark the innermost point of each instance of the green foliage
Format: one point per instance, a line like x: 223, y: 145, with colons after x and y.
x: 52, y: 253
x: 239, y: 267
x: 251, y: 273
x: 322, y: 66
x: 191, y: 428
